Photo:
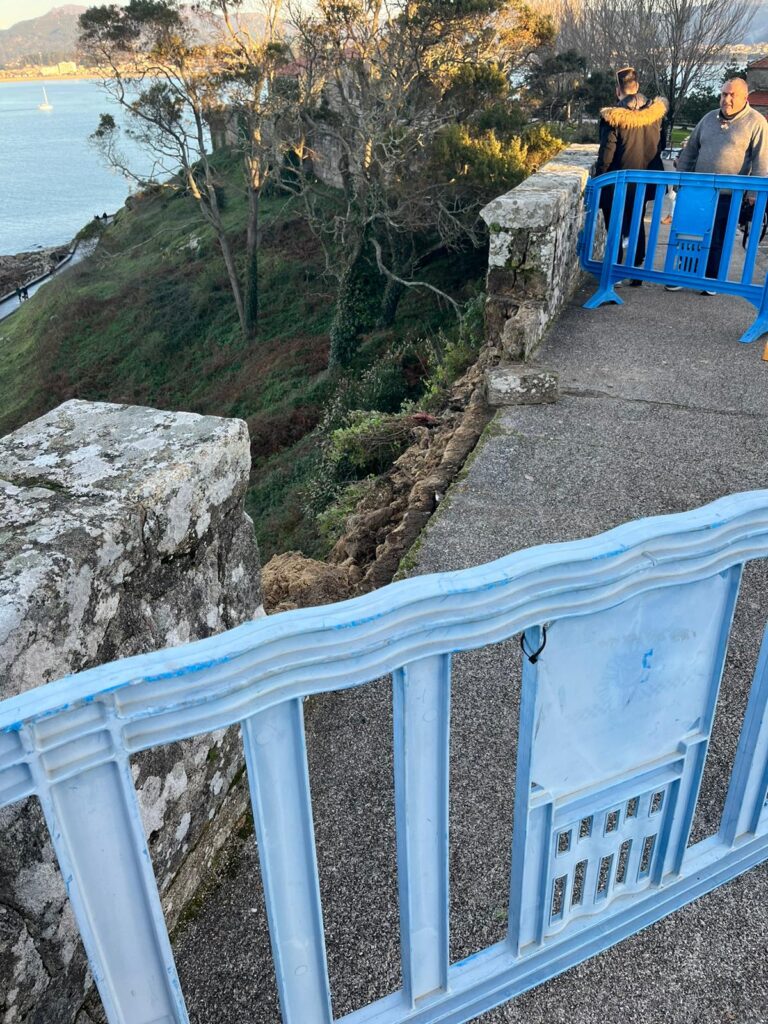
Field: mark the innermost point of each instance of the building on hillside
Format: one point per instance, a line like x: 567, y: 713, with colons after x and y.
x: 64, y: 67
x: 757, y: 80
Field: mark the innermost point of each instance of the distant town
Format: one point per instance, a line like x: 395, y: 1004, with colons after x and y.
x: 64, y: 69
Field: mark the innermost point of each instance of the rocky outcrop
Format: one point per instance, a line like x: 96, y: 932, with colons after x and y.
x: 122, y: 530
x: 18, y: 270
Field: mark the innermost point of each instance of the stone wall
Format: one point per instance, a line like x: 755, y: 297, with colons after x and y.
x: 327, y: 154
x: 533, y: 262
x: 121, y: 530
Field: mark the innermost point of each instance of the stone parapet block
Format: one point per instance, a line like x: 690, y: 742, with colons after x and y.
x: 122, y: 530
x: 521, y: 384
x: 533, y: 264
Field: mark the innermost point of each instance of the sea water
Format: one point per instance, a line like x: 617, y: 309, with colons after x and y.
x: 52, y: 179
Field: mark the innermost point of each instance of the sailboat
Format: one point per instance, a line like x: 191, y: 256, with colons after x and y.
x: 45, y: 105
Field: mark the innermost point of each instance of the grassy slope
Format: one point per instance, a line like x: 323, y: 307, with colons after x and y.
x: 149, y: 320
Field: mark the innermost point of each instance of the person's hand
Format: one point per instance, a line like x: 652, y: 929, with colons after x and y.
x: 751, y: 200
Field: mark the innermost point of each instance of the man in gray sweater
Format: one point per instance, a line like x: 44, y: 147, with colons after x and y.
x: 731, y: 140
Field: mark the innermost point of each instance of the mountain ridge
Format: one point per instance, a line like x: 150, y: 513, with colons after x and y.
x: 52, y: 37
x: 46, y: 39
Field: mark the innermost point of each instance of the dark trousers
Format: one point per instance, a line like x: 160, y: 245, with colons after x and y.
x: 718, y: 235
x: 606, y: 204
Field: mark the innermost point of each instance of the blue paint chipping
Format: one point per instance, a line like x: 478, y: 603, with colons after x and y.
x: 185, y: 670
x: 608, y: 554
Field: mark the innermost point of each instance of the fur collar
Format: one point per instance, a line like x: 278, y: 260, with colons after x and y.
x: 623, y: 117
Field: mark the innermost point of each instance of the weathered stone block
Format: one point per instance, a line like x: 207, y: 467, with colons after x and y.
x: 121, y: 530
x: 533, y: 265
x: 521, y: 384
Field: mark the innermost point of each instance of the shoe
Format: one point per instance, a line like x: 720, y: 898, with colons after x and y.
x: 628, y: 282
x: 673, y: 287
x: 635, y: 284
x: 707, y: 292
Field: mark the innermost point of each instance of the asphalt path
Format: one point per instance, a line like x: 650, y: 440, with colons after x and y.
x: 10, y: 303
x: 662, y: 410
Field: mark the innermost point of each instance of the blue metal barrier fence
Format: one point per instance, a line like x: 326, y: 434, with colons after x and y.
x: 616, y: 715
x: 703, y: 236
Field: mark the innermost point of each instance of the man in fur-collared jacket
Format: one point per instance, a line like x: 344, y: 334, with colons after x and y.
x: 631, y: 138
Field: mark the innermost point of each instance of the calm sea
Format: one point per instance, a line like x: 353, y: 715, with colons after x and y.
x: 52, y: 181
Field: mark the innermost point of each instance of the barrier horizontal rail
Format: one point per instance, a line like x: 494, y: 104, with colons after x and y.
x: 702, y: 240
x: 612, y: 744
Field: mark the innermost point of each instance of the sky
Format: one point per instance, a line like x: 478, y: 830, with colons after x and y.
x: 12, y: 11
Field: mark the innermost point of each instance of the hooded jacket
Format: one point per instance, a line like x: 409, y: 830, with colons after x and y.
x: 631, y: 135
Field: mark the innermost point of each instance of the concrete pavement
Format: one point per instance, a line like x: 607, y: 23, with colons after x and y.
x: 662, y: 410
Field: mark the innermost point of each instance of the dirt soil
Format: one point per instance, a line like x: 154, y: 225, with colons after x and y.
x: 389, y: 519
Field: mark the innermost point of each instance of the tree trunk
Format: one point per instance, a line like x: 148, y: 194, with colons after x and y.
x: 210, y: 207
x: 251, y: 303
x: 349, y: 314
x: 234, y: 280
x: 402, y: 257
x: 393, y: 292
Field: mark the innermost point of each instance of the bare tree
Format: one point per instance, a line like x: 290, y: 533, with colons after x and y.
x: 674, y: 44
x: 176, y: 75
x: 382, y: 83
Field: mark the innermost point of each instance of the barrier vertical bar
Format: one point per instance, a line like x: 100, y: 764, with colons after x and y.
x: 634, y: 228
x: 730, y: 233
x: 747, y: 790
x: 756, y: 227
x: 421, y: 745
x: 95, y: 825
x: 276, y: 758
x: 592, y: 212
x: 653, y: 234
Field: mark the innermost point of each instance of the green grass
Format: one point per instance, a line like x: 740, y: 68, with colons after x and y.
x: 149, y: 320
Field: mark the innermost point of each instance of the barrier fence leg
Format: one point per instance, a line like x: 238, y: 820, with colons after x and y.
x: 605, y: 292
x: 760, y: 326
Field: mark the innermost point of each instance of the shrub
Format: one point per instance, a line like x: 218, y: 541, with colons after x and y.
x: 453, y: 356
x: 369, y: 443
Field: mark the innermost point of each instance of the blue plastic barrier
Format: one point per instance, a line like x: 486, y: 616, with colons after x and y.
x: 690, y: 235
x: 616, y: 714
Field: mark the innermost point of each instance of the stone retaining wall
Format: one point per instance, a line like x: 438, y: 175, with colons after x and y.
x: 122, y: 530
x: 533, y: 262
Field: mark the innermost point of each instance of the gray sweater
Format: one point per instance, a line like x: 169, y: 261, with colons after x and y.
x: 739, y: 146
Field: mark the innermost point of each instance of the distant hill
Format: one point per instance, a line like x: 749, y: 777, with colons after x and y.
x: 44, y: 40
x: 53, y: 36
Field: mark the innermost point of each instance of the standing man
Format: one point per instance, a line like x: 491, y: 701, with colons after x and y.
x: 631, y: 138
x: 731, y: 140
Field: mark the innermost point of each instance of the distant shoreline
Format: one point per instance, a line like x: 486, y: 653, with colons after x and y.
x: 42, y: 79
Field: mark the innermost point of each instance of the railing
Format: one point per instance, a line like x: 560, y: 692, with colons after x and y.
x: 616, y: 715
x: 702, y: 245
